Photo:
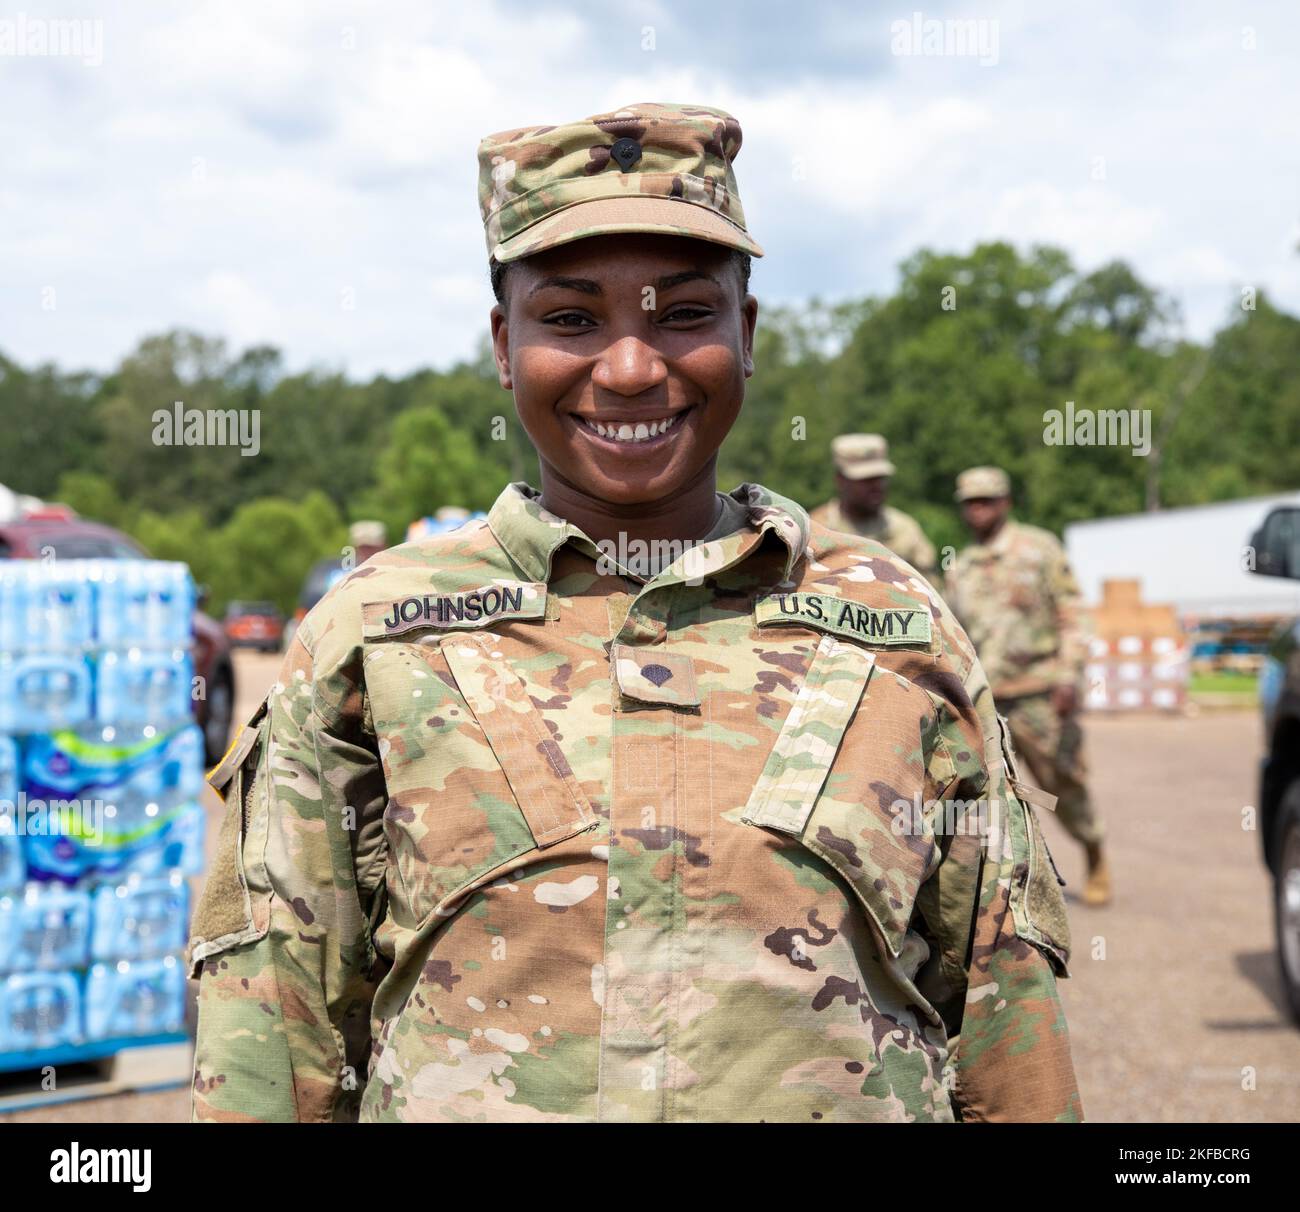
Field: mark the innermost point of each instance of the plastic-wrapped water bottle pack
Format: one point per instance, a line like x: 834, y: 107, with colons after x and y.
x: 100, y: 772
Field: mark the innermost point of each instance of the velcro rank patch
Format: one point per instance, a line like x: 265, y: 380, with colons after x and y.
x: 651, y: 675
x: 456, y: 611
x: 827, y: 612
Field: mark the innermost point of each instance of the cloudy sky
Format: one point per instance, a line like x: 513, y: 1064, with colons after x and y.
x: 304, y: 175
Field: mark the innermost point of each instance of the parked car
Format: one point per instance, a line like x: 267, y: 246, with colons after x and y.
x: 58, y: 530
x: 254, y: 625
x: 1277, y: 554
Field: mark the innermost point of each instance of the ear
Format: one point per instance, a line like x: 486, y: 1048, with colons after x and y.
x: 501, y: 346
x: 748, y: 321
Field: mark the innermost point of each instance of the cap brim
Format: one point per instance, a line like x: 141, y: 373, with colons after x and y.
x: 615, y: 216
x: 867, y: 470
x: 978, y: 494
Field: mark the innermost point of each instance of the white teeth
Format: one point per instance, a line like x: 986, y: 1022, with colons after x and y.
x: 633, y: 433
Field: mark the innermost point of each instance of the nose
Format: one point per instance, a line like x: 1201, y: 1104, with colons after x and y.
x: 629, y: 367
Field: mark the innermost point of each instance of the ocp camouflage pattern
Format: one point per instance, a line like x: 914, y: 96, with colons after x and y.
x: 1020, y: 604
x: 898, y: 531
x: 636, y: 858
x: 533, y: 172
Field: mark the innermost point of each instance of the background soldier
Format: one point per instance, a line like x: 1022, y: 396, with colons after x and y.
x: 862, y: 472
x: 1018, y: 600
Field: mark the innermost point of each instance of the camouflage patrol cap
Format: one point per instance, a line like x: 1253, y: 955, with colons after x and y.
x: 977, y: 482
x: 642, y: 168
x: 368, y: 534
x: 861, y: 456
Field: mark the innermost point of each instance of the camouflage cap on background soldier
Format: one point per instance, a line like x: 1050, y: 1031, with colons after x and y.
x: 859, y: 508
x: 861, y: 456
x: 978, y: 483
x: 368, y: 534
x: 542, y: 186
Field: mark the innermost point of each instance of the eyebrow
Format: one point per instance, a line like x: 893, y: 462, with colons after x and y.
x: 587, y: 286
x: 583, y: 286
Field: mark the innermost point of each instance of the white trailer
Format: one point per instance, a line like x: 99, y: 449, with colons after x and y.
x: 1195, y: 559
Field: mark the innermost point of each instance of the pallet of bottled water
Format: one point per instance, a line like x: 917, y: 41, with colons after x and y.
x: 101, y: 767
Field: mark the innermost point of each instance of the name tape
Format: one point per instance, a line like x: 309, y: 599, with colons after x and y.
x: 450, y: 611
x: 827, y: 612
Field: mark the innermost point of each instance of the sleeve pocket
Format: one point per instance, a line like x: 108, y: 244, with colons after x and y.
x: 1037, y: 905
x: 229, y: 912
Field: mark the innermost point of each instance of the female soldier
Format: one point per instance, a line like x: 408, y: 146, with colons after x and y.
x: 634, y: 801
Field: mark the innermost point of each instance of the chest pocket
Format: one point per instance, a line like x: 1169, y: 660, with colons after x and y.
x: 846, y: 777
x: 474, y: 777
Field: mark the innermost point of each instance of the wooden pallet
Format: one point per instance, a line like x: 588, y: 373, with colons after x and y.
x: 116, y: 1067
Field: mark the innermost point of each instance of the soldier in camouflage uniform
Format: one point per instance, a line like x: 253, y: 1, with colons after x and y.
x: 549, y: 819
x: 1017, y: 598
x: 862, y: 475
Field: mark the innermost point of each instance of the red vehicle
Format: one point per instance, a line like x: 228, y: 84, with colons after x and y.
x: 59, y: 530
x: 254, y: 625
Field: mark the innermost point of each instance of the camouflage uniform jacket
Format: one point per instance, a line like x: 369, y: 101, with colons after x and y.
x: 515, y: 837
x: 1019, y: 602
x: 898, y: 531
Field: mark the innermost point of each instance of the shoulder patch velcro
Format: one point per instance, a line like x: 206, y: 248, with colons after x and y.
x: 827, y: 612
x: 480, y: 607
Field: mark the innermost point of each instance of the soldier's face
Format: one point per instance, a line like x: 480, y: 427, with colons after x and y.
x: 985, y: 514
x: 627, y: 356
x: 863, y: 496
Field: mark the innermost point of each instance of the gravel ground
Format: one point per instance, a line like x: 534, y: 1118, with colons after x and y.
x: 1174, y: 1004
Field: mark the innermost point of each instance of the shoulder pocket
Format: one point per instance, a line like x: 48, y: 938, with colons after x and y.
x: 843, y: 810
x: 475, y: 778
x: 539, y: 775
x: 228, y: 912
x: 1037, y: 905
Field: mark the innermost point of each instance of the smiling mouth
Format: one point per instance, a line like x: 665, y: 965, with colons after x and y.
x: 633, y: 433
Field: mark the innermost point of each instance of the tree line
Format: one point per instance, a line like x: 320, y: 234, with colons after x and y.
x: 961, y: 365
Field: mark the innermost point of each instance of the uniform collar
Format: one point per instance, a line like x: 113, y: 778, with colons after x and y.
x: 531, y: 535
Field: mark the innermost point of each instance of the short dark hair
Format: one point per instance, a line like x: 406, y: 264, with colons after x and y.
x: 497, y: 273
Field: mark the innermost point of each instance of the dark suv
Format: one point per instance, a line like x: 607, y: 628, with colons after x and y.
x: 60, y: 531
x: 1277, y: 554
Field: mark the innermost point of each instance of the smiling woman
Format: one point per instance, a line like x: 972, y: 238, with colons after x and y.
x: 591, y: 810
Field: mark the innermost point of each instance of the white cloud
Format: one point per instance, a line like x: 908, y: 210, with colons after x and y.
x: 238, y: 167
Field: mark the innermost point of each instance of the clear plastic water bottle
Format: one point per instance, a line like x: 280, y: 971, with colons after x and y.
x: 136, y: 687
x: 43, y: 691
x: 140, y: 918
x: 39, y: 1010
x: 57, y: 602
x: 49, y: 927
x: 144, y: 604
x: 141, y: 997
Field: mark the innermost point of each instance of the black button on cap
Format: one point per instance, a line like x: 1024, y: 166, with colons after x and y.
x: 626, y: 152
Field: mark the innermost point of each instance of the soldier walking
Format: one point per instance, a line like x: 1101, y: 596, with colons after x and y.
x: 1014, y: 593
